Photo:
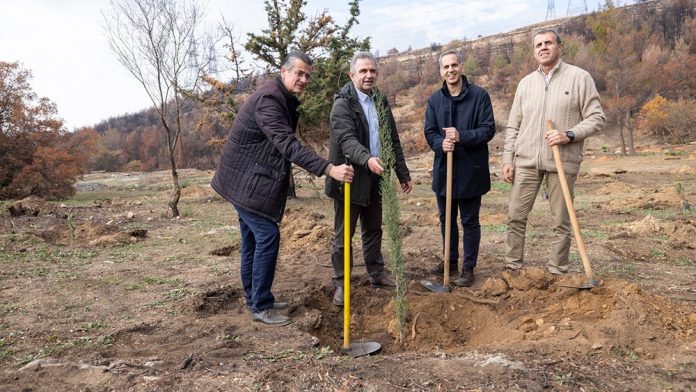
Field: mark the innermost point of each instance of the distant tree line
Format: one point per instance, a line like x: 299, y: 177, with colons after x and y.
x: 642, y: 63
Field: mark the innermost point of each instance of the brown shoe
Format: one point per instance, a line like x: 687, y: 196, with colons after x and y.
x: 466, y: 279
x: 440, y: 269
x: 270, y: 317
x: 338, y: 296
x: 280, y: 305
x: 383, y: 282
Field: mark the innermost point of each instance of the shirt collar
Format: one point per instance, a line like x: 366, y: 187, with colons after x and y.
x: 362, y: 97
x: 558, y: 64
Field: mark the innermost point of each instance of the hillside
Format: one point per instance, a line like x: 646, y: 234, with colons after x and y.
x: 621, y: 48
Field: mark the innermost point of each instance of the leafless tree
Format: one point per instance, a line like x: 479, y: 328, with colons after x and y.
x: 158, y: 43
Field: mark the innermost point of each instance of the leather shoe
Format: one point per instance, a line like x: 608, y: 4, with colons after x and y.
x: 383, y: 282
x: 440, y: 269
x: 466, y: 279
x: 280, y: 305
x: 338, y: 296
x: 271, y: 317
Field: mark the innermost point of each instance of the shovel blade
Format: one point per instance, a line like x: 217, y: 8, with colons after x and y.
x: 434, y: 287
x: 590, y: 284
x: 361, y: 349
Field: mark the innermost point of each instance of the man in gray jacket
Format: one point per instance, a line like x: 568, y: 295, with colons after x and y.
x: 355, y: 133
x: 566, y: 95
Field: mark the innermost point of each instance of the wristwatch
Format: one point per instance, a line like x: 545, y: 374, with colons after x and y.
x: 571, y: 135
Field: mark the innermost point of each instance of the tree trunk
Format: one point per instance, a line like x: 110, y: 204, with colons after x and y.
x: 621, y: 137
x: 292, y: 194
x: 176, y: 189
x: 631, y: 148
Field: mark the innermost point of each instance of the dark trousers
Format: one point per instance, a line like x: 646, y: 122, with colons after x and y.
x: 371, y: 233
x: 471, y: 228
x: 259, y: 253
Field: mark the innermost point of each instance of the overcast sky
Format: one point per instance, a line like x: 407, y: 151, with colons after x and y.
x: 62, y: 42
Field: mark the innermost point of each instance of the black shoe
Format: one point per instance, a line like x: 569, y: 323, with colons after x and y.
x: 383, y: 282
x: 440, y: 269
x: 271, y: 317
x: 466, y: 279
x: 338, y: 296
x: 280, y: 305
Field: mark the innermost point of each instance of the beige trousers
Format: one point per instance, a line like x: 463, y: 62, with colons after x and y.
x: 525, y: 188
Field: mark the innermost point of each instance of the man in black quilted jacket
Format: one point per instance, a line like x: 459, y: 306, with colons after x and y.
x: 254, y: 174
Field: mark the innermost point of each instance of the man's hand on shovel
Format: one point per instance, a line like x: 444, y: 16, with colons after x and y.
x: 342, y: 173
x: 554, y: 137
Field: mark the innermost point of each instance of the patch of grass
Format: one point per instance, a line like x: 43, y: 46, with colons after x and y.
x: 6, y: 309
x: 229, y: 338
x: 112, y: 280
x: 627, y: 269
x: 494, y: 228
x: 163, y: 281
x: 187, y: 211
x: 42, y: 271
x: 4, y: 351
x: 684, y: 261
x: 625, y: 353
x: 657, y: 254
x: 564, y: 379
x: 92, y: 325
x: 670, y: 152
x: 135, y: 286
x: 593, y: 233
x: 501, y: 186
x: 177, y: 294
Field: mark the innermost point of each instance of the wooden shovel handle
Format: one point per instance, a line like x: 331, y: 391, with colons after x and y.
x: 448, y: 218
x: 571, y: 209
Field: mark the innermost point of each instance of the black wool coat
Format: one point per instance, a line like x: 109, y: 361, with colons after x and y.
x: 471, y: 113
x: 350, y: 135
x: 254, y: 169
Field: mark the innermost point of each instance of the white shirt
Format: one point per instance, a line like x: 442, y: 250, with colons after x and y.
x: 370, y: 110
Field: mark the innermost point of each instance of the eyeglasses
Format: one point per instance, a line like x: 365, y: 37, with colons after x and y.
x: 301, y: 74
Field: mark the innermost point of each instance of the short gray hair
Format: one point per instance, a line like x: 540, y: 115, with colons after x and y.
x: 549, y: 30
x: 362, y: 55
x: 460, y: 58
x: 296, y: 55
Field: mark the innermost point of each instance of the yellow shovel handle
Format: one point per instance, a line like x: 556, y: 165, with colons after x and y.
x: 346, y: 266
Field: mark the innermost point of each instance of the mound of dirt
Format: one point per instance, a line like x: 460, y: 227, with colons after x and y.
x: 683, y: 231
x: 686, y: 170
x: 665, y: 197
x: 529, y: 310
x: 301, y: 233
x: 90, y: 233
x: 33, y: 206
x: 614, y: 188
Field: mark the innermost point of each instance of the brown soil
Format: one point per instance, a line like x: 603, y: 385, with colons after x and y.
x: 133, y: 300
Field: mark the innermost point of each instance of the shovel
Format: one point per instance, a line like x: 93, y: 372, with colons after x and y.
x: 351, y: 349
x: 434, y: 287
x: 591, y: 282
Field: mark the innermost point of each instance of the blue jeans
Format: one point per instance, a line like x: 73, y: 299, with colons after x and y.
x: 259, y: 253
x: 469, y: 211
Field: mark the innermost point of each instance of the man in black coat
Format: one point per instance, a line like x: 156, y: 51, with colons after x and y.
x: 355, y: 133
x: 459, y: 118
x: 254, y: 173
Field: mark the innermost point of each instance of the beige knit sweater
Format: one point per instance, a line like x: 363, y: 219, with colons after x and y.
x: 570, y: 100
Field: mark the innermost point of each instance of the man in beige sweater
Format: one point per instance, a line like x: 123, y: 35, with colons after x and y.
x: 566, y: 95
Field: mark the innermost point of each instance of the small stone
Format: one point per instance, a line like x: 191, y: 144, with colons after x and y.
x: 597, y: 346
